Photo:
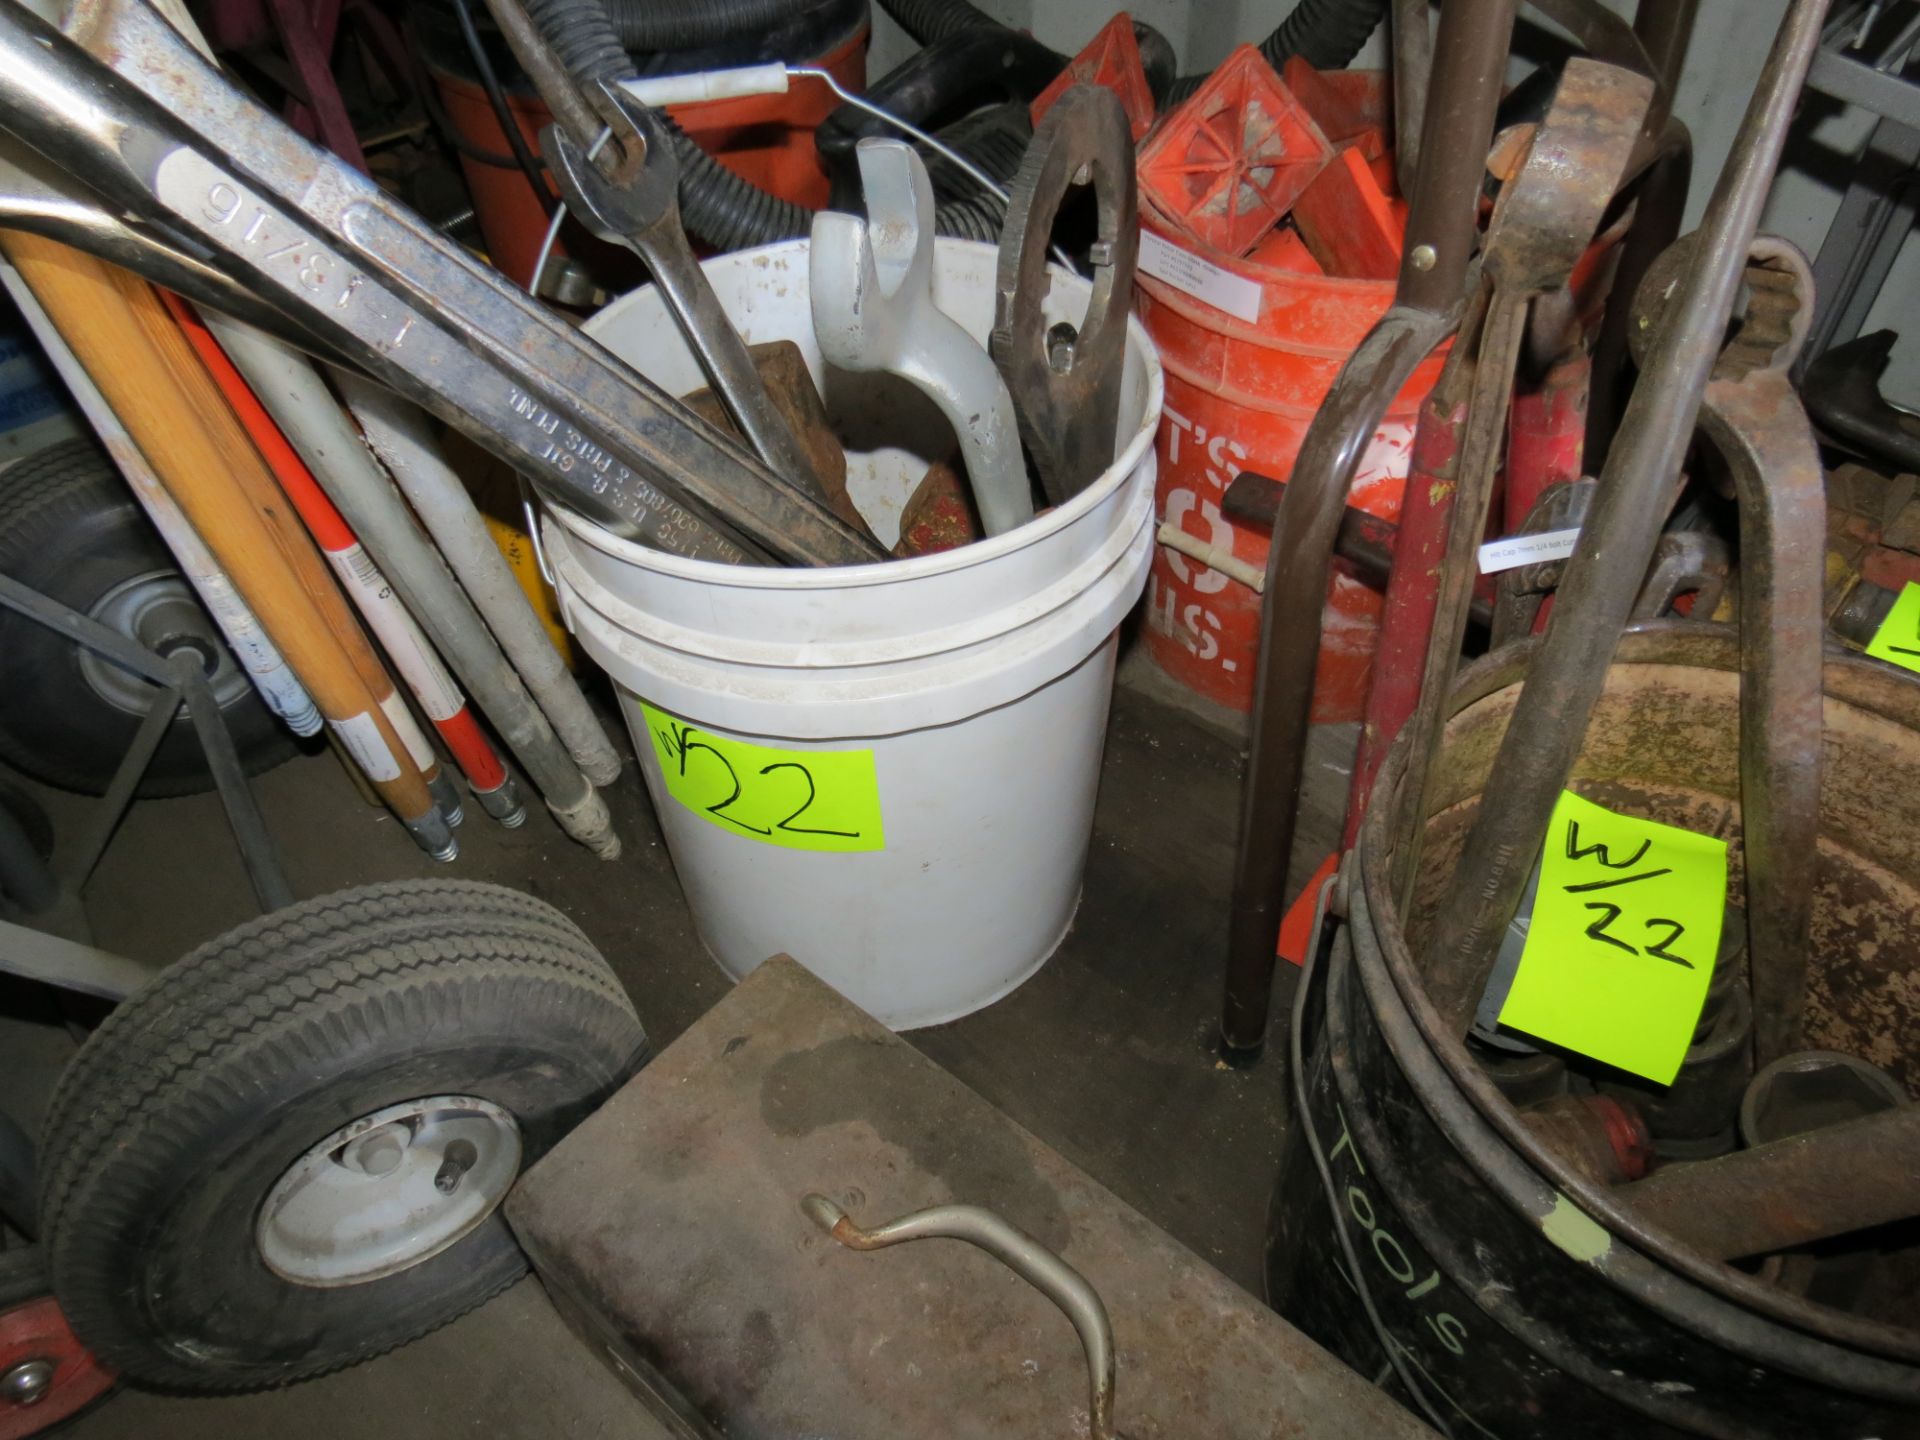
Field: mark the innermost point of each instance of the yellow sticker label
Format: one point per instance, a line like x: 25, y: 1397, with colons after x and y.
x: 800, y: 799
x: 1897, y: 641
x: 1622, y: 942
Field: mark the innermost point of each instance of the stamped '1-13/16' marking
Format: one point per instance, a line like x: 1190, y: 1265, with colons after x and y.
x: 315, y: 268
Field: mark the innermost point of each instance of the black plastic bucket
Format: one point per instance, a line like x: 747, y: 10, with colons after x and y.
x: 1524, y: 1299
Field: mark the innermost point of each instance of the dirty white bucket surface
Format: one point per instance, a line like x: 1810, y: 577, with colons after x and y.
x: 887, y: 771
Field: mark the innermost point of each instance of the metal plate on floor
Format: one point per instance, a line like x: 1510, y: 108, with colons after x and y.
x: 671, y: 1219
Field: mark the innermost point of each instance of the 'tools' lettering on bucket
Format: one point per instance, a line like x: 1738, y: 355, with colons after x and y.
x: 797, y: 799
x: 1390, y: 1255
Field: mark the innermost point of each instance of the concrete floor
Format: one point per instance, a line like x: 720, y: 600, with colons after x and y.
x: 1105, y: 1054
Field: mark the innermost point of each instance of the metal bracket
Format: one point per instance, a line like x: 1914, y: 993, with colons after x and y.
x: 180, y: 678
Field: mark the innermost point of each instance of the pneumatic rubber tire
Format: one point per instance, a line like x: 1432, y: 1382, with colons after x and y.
x: 70, y: 528
x: 176, y: 1119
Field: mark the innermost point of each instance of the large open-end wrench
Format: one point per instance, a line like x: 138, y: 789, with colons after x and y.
x: 637, y: 205
x: 158, y: 132
x: 40, y: 201
x: 1597, y: 591
x: 873, y: 309
x: 1754, y: 418
x: 1545, y: 219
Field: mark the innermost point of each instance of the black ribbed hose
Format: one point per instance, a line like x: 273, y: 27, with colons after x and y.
x: 931, y: 20
x: 655, y: 25
x: 729, y: 213
x: 1327, y: 34
x: 1157, y: 59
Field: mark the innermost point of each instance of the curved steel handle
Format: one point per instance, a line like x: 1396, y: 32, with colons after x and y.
x: 1019, y: 1252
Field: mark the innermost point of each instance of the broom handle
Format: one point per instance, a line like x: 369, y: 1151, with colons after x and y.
x: 150, y: 376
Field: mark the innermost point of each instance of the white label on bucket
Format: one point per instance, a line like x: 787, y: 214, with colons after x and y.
x: 361, y: 737
x: 1518, y: 550
x: 1202, y: 279
x: 797, y: 799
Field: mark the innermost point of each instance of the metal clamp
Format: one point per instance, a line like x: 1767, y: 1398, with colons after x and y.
x: 1066, y: 382
x: 1065, y: 1286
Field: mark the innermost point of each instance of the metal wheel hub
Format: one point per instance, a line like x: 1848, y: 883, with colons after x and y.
x: 388, y: 1191
x: 27, y: 1383
x: 160, y: 610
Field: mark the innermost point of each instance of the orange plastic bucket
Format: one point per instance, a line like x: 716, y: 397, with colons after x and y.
x: 1240, y: 396
x: 767, y: 139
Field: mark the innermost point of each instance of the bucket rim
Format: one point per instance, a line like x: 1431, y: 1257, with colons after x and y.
x: 1699, y: 643
x: 891, y: 571
x: 808, y: 653
x: 681, y: 680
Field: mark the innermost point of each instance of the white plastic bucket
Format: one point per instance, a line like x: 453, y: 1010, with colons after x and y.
x: 978, y: 679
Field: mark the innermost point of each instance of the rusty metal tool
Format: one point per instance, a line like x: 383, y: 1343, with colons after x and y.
x: 1065, y: 378
x: 1685, y: 562
x: 155, y: 130
x: 873, y: 309
x: 1429, y: 299
x: 1807, y: 1187
x: 636, y: 203
x: 1604, y: 574
x: 1065, y: 1286
x: 1754, y: 418
x: 1412, y: 22
x: 1842, y: 388
x: 1545, y: 218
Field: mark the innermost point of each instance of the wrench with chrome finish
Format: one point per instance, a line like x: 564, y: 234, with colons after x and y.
x: 159, y: 133
x: 38, y: 200
x: 637, y: 205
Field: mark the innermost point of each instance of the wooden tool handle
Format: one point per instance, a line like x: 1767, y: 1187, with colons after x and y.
x: 121, y: 332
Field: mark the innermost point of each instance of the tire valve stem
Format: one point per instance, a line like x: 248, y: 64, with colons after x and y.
x: 457, y: 1161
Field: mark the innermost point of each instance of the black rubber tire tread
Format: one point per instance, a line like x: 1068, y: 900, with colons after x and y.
x: 71, y: 497
x: 30, y: 814
x: 23, y: 1275
x: 205, y: 1001
x: 281, y: 996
